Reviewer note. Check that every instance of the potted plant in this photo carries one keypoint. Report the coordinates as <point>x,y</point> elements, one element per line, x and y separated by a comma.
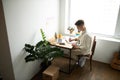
<point>71,29</point>
<point>42,51</point>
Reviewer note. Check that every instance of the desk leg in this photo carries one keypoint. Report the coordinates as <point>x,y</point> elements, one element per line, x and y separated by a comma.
<point>70,62</point>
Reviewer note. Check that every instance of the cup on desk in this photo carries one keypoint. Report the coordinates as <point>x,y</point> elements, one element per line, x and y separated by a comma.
<point>59,40</point>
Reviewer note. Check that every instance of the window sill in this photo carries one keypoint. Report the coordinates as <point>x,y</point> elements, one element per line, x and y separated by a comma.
<point>101,37</point>
<point>108,38</point>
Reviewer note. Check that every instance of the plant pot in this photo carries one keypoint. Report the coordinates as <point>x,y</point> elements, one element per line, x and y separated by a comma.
<point>45,65</point>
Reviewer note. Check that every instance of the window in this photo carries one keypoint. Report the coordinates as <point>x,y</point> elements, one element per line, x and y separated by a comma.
<point>100,16</point>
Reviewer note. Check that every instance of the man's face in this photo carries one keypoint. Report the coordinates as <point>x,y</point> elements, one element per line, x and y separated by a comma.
<point>79,28</point>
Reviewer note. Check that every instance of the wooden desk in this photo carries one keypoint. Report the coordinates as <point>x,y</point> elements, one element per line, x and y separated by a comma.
<point>66,46</point>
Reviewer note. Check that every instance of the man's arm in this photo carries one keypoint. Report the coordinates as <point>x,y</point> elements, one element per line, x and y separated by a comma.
<point>76,39</point>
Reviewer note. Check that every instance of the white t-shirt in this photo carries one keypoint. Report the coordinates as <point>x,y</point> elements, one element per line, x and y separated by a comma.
<point>84,44</point>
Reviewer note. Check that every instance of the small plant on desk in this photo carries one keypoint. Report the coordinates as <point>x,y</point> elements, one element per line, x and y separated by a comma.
<point>71,29</point>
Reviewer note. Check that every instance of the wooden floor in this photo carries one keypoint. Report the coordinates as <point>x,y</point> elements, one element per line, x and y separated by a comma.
<point>100,71</point>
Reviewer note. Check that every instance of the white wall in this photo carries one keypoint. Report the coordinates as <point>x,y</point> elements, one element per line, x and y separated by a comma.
<point>117,30</point>
<point>105,49</point>
<point>24,18</point>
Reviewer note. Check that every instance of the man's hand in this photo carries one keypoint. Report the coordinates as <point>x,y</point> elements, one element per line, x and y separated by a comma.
<point>75,46</point>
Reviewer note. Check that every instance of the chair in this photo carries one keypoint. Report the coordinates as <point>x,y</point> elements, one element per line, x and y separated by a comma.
<point>91,54</point>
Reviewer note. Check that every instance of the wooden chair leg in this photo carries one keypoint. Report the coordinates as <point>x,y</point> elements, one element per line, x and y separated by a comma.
<point>90,63</point>
<point>78,60</point>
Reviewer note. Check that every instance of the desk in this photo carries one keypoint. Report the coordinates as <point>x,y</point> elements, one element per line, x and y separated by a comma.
<point>66,46</point>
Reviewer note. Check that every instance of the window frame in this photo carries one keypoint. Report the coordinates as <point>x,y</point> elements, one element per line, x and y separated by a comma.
<point>67,22</point>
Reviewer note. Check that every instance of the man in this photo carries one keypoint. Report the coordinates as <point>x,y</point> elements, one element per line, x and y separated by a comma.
<point>83,44</point>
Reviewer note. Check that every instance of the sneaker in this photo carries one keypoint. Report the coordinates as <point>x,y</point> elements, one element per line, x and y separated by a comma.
<point>82,61</point>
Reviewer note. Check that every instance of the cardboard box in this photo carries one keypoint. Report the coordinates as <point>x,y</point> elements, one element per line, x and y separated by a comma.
<point>51,73</point>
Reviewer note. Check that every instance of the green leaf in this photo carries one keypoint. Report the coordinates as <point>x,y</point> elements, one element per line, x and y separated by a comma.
<point>30,58</point>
